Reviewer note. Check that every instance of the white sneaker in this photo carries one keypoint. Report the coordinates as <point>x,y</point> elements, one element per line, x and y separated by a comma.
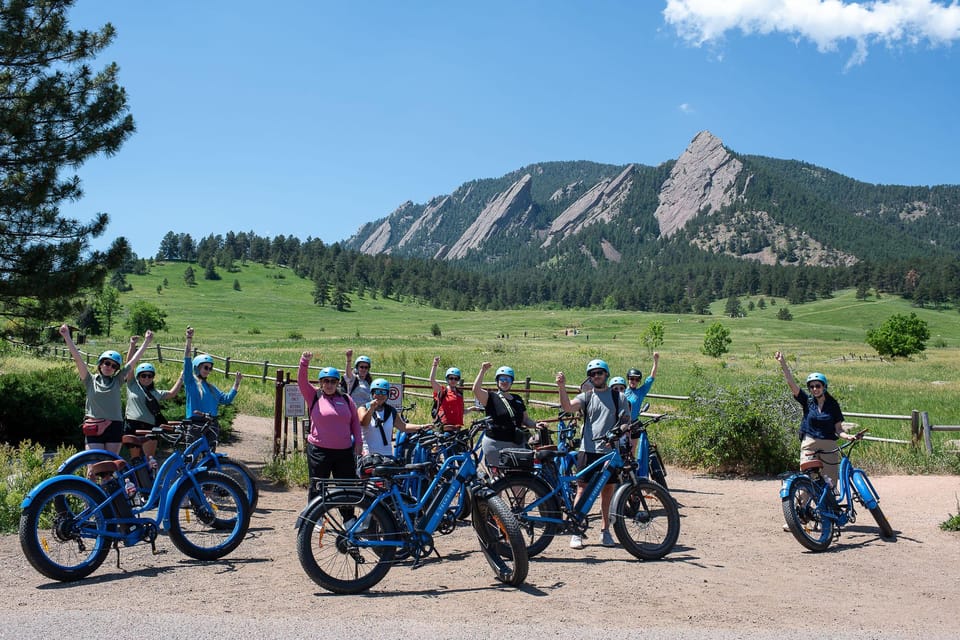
<point>786,527</point>
<point>576,542</point>
<point>607,539</point>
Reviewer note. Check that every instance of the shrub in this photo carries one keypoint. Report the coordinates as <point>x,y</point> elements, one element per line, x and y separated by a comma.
<point>43,406</point>
<point>716,341</point>
<point>748,430</point>
<point>435,330</point>
<point>24,468</point>
<point>900,335</point>
<point>953,522</point>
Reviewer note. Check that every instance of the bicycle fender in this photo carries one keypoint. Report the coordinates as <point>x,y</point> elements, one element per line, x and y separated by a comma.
<point>79,459</point>
<point>28,499</point>
<point>788,483</point>
<point>864,488</point>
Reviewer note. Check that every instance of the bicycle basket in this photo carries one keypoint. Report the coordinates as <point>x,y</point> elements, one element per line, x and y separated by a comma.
<point>517,459</point>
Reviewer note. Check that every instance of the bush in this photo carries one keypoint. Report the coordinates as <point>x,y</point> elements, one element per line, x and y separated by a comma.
<point>143,316</point>
<point>900,335</point>
<point>435,330</point>
<point>24,467</point>
<point>42,406</point>
<point>749,430</point>
<point>716,341</point>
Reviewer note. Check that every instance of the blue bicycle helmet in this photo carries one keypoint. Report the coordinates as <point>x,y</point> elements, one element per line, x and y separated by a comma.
<point>363,359</point>
<point>328,372</point>
<point>593,365</point>
<point>111,355</point>
<point>506,371</point>
<point>618,381</point>
<point>146,367</point>
<point>380,384</point>
<point>203,358</point>
<point>453,371</point>
<point>817,377</point>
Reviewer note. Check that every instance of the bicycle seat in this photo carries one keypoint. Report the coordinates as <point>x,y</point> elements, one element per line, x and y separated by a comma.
<point>811,464</point>
<point>544,454</point>
<point>107,467</point>
<point>135,440</point>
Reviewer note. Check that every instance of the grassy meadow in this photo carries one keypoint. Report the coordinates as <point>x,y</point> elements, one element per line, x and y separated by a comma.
<point>272,318</point>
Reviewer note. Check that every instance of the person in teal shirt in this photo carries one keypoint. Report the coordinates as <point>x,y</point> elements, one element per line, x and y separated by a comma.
<point>203,397</point>
<point>637,394</point>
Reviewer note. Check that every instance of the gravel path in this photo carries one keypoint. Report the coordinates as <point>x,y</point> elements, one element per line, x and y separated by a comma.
<point>733,574</point>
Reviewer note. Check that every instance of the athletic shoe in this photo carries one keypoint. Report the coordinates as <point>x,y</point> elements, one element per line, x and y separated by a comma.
<point>607,539</point>
<point>576,542</point>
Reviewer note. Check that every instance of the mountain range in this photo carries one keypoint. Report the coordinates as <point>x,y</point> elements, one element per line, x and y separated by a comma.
<point>711,201</point>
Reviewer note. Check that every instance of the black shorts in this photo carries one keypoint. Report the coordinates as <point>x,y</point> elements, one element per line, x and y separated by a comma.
<point>113,433</point>
<point>584,459</point>
<point>131,427</point>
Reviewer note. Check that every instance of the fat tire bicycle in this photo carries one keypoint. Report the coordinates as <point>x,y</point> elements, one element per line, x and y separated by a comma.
<point>69,523</point>
<point>181,435</point>
<point>814,514</point>
<point>644,515</point>
<point>346,553</point>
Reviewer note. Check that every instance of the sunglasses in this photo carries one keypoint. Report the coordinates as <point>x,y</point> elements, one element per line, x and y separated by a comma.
<point>598,372</point>
<point>330,380</point>
<point>145,375</point>
<point>455,378</point>
<point>380,392</point>
<point>504,379</point>
<point>637,378</point>
<point>814,385</point>
<point>205,367</point>
<point>109,363</point>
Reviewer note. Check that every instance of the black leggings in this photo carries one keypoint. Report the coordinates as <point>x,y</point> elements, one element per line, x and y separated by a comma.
<point>329,463</point>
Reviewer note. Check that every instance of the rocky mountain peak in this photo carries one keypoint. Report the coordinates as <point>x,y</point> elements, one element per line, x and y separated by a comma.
<point>702,179</point>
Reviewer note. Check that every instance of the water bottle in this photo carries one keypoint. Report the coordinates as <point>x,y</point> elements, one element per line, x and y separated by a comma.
<point>153,464</point>
<point>130,489</point>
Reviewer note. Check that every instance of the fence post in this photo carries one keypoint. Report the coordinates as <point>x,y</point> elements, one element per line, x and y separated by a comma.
<point>526,390</point>
<point>226,366</point>
<point>277,412</point>
<point>915,427</point>
<point>159,353</point>
<point>925,419</point>
<point>266,364</point>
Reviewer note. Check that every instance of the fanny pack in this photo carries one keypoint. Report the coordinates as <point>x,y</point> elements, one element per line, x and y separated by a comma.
<point>94,426</point>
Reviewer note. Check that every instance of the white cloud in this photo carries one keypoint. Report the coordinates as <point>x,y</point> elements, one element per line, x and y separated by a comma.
<point>685,108</point>
<point>824,22</point>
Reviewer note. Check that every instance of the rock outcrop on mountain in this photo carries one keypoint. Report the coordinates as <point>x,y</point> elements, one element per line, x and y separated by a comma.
<point>702,179</point>
<point>499,212</point>
<point>599,204</point>
<point>430,218</point>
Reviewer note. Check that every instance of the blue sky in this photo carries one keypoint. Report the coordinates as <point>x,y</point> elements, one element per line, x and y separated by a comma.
<point>310,118</point>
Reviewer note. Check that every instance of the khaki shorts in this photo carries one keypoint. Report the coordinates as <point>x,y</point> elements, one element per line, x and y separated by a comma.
<point>831,461</point>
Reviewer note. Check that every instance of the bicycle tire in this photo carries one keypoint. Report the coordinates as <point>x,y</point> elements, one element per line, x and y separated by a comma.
<point>89,457</point>
<point>803,517</point>
<point>51,539</point>
<point>657,473</point>
<point>500,539</point>
<point>243,475</point>
<point>521,490</point>
<point>209,522</point>
<point>646,519</point>
<point>331,565</point>
<point>886,531</point>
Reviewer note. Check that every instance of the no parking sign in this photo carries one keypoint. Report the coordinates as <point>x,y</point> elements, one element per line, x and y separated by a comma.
<point>395,397</point>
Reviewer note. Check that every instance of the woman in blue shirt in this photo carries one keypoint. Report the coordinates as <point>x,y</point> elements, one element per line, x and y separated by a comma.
<point>203,397</point>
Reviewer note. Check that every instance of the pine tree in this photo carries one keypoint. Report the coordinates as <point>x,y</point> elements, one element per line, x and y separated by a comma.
<point>56,113</point>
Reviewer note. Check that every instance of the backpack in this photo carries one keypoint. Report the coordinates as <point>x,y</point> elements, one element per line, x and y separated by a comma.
<point>388,411</point>
<point>342,385</point>
<point>437,400</point>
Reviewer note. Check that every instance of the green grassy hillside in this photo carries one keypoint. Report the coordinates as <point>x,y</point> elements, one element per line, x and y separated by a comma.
<point>272,318</point>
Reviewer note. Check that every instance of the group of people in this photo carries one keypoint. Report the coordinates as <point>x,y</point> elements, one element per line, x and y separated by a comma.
<point>107,418</point>
<point>350,417</point>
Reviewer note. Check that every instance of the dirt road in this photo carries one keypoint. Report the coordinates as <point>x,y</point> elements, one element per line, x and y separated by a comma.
<point>733,574</point>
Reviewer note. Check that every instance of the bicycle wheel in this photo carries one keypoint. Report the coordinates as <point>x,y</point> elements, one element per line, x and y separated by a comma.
<point>335,562</point>
<point>77,464</point>
<point>55,541</point>
<point>803,517</point>
<point>519,491</point>
<point>645,519</point>
<point>244,476</point>
<point>886,531</point>
<point>209,515</point>
<point>500,539</point>
<point>657,473</point>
